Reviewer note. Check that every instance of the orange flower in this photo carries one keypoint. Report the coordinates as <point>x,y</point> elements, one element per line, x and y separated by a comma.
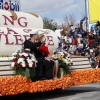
<point>13,85</point>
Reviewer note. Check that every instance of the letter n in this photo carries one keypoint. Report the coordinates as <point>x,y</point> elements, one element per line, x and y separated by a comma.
<point>8,19</point>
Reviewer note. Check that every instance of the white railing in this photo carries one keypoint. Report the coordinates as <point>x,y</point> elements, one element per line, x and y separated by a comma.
<point>80,63</point>
<point>5,66</point>
<point>6,70</point>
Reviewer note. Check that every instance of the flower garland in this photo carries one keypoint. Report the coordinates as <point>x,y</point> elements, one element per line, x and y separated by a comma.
<point>13,85</point>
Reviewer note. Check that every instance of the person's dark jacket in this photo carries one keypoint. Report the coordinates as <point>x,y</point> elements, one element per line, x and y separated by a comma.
<point>33,47</point>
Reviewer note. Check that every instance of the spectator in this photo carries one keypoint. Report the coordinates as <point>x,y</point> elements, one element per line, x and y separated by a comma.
<point>98,59</point>
<point>57,31</point>
<point>80,47</point>
<point>68,40</point>
<point>98,34</point>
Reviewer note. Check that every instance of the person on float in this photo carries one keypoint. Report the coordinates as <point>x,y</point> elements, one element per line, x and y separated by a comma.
<point>42,62</point>
<point>44,49</point>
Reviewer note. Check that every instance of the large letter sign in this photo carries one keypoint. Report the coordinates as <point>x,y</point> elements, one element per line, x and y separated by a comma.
<point>20,20</point>
<point>12,39</point>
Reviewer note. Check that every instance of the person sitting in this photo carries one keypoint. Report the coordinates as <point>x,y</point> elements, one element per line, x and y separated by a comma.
<point>80,48</point>
<point>44,49</point>
<point>42,62</point>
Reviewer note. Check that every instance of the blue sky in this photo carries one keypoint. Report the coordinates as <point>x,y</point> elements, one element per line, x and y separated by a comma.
<point>55,9</point>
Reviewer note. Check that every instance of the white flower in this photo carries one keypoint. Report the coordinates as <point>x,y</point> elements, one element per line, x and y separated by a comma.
<point>29,60</point>
<point>23,64</point>
<point>68,55</point>
<point>25,54</point>
<point>36,61</point>
<point>55,57</point>
<point>27,49</point>
<point>33,58</point>
<point>20,60</point>
<point>14,54</point>
<point>66,61</point>
<point>20,54</point>
<point>66,58</point>
<point>61,53</point>
<point>30,64</point>
<point>69,60</point>
<point>12,65</point>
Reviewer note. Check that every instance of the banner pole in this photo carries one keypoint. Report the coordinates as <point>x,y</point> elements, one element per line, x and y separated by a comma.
<point>86,14</point>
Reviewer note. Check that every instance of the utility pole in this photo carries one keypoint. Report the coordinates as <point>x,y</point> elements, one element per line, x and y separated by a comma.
<point>86,14</point>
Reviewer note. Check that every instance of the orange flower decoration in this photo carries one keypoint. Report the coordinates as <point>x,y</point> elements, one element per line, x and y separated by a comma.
<point>13,85</point>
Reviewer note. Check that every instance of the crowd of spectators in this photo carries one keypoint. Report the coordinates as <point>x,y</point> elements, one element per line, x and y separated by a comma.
<point>80,42</point>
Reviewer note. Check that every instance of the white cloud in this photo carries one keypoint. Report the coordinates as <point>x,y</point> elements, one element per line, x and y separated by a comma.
<point>54,9</point>
<point>44,5</point>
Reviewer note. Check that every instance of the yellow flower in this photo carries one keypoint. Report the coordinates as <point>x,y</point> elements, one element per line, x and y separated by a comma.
<point>53,56</point>
<point>61,57</point>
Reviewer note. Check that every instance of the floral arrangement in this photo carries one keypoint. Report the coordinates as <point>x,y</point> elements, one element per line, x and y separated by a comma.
<point>69,61</point>
<point>64,61</point>
<point>13,85</point>
<point>54,56</point>
<point>24,63</point>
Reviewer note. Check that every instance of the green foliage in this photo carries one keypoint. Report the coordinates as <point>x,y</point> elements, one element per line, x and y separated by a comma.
<point>62,64</point>
<point>49,23</point>
<point>26,72</point>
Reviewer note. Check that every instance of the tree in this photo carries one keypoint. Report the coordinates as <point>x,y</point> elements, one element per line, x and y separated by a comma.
<point>49,23</point>
<point>69,19</point>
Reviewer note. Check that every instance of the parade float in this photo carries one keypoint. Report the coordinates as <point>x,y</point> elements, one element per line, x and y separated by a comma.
<point>14,30</point>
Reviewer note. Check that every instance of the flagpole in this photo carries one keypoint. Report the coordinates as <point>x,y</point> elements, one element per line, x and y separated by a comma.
<point>86,13</point>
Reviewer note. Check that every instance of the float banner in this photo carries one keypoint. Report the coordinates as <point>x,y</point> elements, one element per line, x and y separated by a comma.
<point>12,39</point>
<point>13,5</point>
<point>94,10</point>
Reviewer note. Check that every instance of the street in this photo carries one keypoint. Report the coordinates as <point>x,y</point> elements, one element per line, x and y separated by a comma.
<point>84,92</point>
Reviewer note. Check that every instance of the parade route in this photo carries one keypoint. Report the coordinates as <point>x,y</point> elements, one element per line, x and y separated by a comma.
<point>84,92</point>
